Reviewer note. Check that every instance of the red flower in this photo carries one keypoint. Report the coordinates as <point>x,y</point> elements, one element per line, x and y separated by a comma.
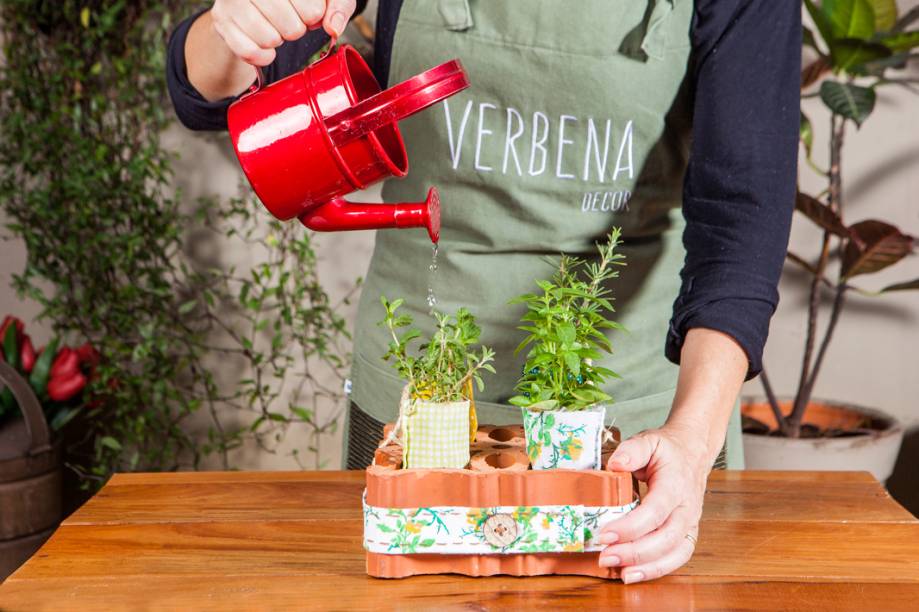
<point>63,388</point>
<point>27,355</point>
<point>66,363</point>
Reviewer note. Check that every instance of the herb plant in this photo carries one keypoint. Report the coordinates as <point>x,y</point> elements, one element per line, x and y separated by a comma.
<point>565,332</point>
<point>444,366</point>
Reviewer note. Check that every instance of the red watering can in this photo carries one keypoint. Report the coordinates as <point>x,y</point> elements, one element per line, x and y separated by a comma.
<point>317,135</point>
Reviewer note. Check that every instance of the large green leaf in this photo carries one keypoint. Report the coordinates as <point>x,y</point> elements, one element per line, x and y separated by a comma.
<point>821,214</point>
<point>879,245</point>
<point>901,41</point>
<point>850,101</point>
<point>849,18</point>
<point>850,54</point>
<point>885,14</point>
<point>821,21</point>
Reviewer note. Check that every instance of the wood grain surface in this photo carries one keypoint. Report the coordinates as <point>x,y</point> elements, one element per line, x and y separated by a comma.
<point>269,540</point>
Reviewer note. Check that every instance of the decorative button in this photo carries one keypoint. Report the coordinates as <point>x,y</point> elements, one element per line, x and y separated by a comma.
<point>500,530</point>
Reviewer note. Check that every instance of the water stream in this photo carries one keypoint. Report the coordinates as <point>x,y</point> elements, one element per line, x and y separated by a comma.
<point>432,274</point>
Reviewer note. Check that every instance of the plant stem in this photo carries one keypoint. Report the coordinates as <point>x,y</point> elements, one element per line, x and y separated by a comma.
<point>808,377</point>
<point>773,402</point>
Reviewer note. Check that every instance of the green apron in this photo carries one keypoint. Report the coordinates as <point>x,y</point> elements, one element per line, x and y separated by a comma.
<point>577,120</point>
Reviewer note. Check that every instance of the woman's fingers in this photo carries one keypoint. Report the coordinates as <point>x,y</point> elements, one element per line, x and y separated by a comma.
<point>633,454</point>
<point>654,510</point>
<point>670,562</point>
<point>243,46</point>
<point>283,17</point>
<point>311,12</point>
<point>254,25</point>
<point>337,15</point>
<point>653,546</point>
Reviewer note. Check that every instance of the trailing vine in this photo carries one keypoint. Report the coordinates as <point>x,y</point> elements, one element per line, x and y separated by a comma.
<point>86,184</point>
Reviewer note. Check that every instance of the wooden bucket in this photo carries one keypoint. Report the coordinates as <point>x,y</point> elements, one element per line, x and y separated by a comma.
<point>30,478</point>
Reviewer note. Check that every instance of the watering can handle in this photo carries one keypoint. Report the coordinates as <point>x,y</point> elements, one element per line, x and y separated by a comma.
<point>29,406</point>
<point>398,102</point>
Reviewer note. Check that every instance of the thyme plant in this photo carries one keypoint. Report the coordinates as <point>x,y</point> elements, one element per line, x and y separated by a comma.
<point>565,327</point>
<point>446,364</point>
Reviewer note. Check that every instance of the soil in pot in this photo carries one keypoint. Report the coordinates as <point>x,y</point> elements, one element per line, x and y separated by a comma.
<point>833,437</point>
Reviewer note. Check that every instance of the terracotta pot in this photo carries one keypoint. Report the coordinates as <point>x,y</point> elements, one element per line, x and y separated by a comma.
<point>874,451</point>
<point>568,439</point>
<point>497,475</point>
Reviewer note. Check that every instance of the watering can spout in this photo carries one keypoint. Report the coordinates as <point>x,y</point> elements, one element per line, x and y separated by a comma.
<point>339,214</point>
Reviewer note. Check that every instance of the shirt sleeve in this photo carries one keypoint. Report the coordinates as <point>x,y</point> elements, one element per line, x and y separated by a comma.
<point>192,109</point>
<point>739,189</point>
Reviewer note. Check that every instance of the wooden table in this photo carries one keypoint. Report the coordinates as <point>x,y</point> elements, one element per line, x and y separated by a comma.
<point>274,540</point>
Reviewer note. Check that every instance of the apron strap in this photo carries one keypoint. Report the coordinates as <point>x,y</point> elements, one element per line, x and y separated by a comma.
<point>456,14</point>
<point>649,38</point>
<point>655,40</point>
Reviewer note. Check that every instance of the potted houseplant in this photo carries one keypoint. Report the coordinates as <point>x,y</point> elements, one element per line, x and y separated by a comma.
<point>436,413</point>
<point>858,43</point>
<point>560,391</point>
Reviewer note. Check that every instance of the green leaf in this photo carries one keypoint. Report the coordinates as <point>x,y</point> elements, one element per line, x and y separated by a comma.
<point>851,54</point>
<point>850,101</point>
<point>38,379</point>
<point>110,442</point>
<point>84,17</point>
<point>566,333</point>
<point>11,346</point>
<point>849,18</point>
<point>901,41</point>
<point>885,14</point>
<point>187,307</point>
<point>573,362</point>
<point>822,22</point>
<point>385,528</point>
<point>806,134</point>
<point>427,542</point>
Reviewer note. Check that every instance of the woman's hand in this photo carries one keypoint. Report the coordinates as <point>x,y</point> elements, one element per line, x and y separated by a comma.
<point>652,541</point>
<point>659,536</point>
<point>252,29</point>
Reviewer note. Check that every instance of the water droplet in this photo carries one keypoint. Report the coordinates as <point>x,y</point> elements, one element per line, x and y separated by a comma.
<point>432,299</point>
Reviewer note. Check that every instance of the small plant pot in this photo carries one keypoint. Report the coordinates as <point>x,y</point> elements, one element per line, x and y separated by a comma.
<point>568,439</point>
<point>436,435</point>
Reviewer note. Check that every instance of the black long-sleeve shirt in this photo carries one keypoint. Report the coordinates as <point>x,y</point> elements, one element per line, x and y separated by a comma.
<point>739,189</point>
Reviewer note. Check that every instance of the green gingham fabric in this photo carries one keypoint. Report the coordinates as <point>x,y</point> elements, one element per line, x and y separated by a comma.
<point>436,435</point>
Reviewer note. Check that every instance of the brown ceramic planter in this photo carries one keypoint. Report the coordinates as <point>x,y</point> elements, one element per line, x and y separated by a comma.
<point>498,474</point>
<point>874,449</point>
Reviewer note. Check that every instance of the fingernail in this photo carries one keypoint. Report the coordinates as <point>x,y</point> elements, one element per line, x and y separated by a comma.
<point>610,561</point>
<point>630,577</point>
<point>622,459</point>
<point>338,22</point>
<point>608,537</point>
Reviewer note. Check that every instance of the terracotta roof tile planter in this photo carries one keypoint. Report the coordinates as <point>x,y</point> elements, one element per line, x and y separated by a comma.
<point>503,517</point>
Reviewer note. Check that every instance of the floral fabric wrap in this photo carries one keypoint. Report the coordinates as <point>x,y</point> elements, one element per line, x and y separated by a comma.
<point>564,438</point>
<point>494,530</point>
<point>436,435</point>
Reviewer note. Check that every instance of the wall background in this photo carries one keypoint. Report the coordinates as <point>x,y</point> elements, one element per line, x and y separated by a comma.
<point>874,360</point>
